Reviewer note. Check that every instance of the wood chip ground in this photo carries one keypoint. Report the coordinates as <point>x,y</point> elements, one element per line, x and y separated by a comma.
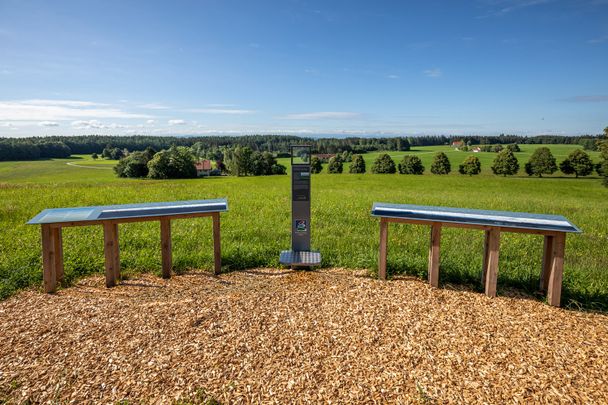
<point>281,336</point>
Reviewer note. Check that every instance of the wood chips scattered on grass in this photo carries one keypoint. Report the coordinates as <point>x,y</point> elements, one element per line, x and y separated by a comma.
<point>283,336</point>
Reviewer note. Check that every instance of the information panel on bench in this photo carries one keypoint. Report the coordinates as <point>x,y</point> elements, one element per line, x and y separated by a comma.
<point>143,210</point>
<point>504,219</point>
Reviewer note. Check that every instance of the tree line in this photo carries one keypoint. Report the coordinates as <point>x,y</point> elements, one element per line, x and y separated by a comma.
<point>505,164</point>
<point>30,148</point>
<point>37,147</point>
<point>16,149</point>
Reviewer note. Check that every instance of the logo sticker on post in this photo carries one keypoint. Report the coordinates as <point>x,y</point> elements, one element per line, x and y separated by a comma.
<point>300,225</point>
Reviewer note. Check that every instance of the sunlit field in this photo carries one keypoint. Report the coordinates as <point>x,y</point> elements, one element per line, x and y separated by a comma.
<point>256,228</point>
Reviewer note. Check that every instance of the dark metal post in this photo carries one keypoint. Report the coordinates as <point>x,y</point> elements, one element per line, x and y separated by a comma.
<point>300,253</point>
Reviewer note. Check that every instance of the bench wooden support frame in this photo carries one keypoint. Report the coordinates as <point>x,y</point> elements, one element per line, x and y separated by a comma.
<point>52,246</point>
<point>553,254</point>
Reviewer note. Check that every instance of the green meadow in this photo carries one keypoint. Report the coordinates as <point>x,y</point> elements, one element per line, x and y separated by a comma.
<point>257,226</point>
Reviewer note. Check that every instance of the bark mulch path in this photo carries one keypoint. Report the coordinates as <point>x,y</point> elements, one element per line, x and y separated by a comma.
<point>283,336</point>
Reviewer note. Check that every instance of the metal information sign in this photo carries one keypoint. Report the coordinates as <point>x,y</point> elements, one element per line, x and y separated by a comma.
<point>300,253</point>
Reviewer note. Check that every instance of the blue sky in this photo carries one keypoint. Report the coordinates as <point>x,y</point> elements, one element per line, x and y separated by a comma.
<point>303,67</point>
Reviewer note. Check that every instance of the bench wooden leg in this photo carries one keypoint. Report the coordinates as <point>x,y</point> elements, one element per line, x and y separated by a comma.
<point>382,253</point>
<point>217,248</point>
<point>547,262</point>
<point>112,253</point>
<point>58,246</point>
<point>492,262</point>
<point>48,259</point>
<point>165,246</point>
<point>434,254</point>
<point>554,287</point>
<point>486,253</point>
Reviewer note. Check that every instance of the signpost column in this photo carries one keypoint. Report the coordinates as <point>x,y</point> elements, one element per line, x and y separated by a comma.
<point>300,253</point>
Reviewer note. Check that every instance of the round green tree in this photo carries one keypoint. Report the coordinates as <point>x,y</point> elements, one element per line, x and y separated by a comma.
<point>384,165</point>
<point>603,166</point>
<point>335,165</point>
<point>578,163</point>
<point>441,164</point>
<point>411,164</point>
<point>357,165</point>
<point>175,163</point>
<point>315,165</point>
<point>541,162</point>
<point>470,166</point>
<point>134,165</point>
<point>505,163</point>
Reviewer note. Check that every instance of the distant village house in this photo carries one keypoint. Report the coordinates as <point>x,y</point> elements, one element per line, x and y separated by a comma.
<point>203,167</point>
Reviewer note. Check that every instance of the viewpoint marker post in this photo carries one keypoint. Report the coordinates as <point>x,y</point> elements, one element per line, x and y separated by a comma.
<point>300,254</point>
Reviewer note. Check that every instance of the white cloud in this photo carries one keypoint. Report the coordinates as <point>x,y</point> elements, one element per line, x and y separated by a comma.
<point>219,111</point>
<point>392,77</point>
<point>117,126</point>
<point>151,122</point>
<point>65,103</point>
<point>222,105</point>
<point>90,124</point>
<point>176,122</point>
<point>508,6</point>
<point>322,115</point>
<point>8,125</point>
<point>58,110</point>
<point>154,106</point>
<point>435,72</point>
<point>48,124</point>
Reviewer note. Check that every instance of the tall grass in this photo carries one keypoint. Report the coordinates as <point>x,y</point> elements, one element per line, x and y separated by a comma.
<point>257,226</point>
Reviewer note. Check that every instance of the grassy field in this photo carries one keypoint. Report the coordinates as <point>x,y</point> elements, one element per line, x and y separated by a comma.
<point>256,228</point>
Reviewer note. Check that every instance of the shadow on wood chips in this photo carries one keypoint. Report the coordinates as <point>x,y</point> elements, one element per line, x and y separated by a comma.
<point>272,336</point>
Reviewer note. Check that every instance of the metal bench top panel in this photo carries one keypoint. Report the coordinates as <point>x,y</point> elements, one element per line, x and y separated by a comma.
<point>143,210</point>
<point>506,219</point>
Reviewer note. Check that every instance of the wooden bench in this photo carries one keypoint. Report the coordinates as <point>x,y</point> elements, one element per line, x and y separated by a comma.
<point>552,227</point>
<point>53,220</point>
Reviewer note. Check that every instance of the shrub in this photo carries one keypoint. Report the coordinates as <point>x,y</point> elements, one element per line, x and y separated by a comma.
<point>335,165</point>
<point>441,164</point>
<point>513,147</point>
<point>346,156</point>
<point>411,164</point>
<point>112,153</point>
<point>315,165</point>
<point>278,169</point>
<point>470,166</point>
<point>263,164</point>
<point>541,162</point>
<point>357,165</point>
<point>505,163</point>
<point>135,165</point>
<point>175,163</point>
<point>578,163</point>
<point>383,165</point>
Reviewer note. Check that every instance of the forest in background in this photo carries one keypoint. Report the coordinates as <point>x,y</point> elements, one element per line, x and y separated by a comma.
<point>33,148</point>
